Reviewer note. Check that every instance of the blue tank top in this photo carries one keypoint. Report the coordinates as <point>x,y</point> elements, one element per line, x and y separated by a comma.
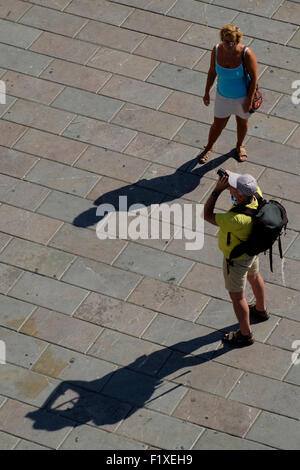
<point>231,82</point>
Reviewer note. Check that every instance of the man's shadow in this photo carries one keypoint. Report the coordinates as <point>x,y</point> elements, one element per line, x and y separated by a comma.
<point>153,191</point>
<point>119,394</point>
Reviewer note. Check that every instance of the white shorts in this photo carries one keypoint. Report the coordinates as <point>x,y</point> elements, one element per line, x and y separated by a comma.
<point>225,107</point>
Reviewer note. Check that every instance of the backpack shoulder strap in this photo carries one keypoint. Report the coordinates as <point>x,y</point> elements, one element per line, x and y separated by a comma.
<point>259,198</point>
<point>241,209</point>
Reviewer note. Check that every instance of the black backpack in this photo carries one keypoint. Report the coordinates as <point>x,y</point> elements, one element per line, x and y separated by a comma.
<point>269,220</point>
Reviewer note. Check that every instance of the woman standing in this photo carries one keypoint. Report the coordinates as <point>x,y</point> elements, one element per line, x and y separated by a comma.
<point>234,95</point>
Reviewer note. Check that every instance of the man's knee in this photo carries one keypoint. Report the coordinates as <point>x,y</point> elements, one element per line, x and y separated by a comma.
<point>252,278</point>
<point>236,296</point>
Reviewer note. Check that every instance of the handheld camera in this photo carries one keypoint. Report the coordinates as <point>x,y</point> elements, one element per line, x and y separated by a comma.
<point>221,172</point>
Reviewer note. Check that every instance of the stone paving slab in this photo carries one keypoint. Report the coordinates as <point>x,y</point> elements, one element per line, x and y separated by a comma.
<point>122,63</point>
<point>136,92</point>
<point>17,35</point>
<point>8,277</point>
<point>202,13</point>
<point>31,88</point>
<point>84,243</point>
<point>169,51</point>
<point>40,290</point>
<point>27,224</point>
<point>74,75</point>
<point>14,163</point>
<point>276,55</point>
<point>21,424</point>
<point>21,350</point>
<point>54,45</point>
<point>206,376</point>
<point>87,104</point>
<point>266,29</point>
<point>288,12</point>
<point>13,312</point>
<point>215,440</point>
<point>269,361</point>
<point>293,250</point>
<point>179,78</point>
<point>100,133</point>
<point>215,412</point>
<point>103,34</point>
<point>39,116</point>
<point>7,442</point>
<point>260,7</point>
<point>108,163</point>
<point>99,10</point>
<point>51,20</point>
<point>87,438</point>
<point>293,375</point>
<point>278,79</point>
<point>25,386</point>
<point>101,278</point>
<point>115,314</point>
<point>144,261</point>
<point>85,372</point>
<point>19,60</point>
<point>33,257</point>
<point>276,430</point>
<point>166,432</point>
<point>61,329</point>
<point>169,299</point>
<point>267,394</point>
<point>58,5</point>
<point>295,41</point>
<point>127,350</point>
<point>22,194</point>
<point>116,344</point>
<point>158,6</point>
<point>57,176</point>
<point>14,10</point>
<point>46,145</point>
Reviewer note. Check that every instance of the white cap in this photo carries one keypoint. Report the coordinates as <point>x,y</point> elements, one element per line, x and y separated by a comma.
<point>246,184</point>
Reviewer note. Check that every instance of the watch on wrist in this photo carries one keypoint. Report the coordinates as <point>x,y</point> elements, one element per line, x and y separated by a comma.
<point>215,194</point>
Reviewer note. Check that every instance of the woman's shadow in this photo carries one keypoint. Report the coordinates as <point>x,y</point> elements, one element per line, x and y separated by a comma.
<point>116,396</point>
<point>153,191</point>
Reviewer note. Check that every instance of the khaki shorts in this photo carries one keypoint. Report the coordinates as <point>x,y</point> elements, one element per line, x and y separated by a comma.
<point>235,280</point>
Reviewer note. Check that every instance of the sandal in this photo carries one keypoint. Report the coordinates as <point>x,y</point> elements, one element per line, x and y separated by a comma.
<point>241,154</point>
<point>235,338</point>
<point>203,157</point>
<point>259,315</point>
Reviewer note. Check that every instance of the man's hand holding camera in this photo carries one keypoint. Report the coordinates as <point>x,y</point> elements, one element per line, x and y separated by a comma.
<point>222,182</point>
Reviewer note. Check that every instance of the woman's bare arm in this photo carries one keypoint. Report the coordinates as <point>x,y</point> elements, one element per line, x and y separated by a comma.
<point>251,66</point>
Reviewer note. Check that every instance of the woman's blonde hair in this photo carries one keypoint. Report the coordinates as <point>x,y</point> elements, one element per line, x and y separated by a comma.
<point>231,30</point>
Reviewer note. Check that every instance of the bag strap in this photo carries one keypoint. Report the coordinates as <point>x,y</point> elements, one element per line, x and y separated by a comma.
<point>271,257</point>
<point>243,62</point>
<point>241,209</point>
<point>280,246</point>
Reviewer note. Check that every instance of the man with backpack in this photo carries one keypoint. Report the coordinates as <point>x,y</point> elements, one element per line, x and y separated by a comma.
<point>235,229</point>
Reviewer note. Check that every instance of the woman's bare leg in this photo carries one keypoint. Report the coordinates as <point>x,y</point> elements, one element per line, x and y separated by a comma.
<point>214,133</point>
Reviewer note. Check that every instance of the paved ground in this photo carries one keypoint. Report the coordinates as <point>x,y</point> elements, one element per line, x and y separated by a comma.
<point>115,344</point>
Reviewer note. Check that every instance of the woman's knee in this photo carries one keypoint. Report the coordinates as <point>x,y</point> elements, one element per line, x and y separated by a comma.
<point>241,122</point>
<point>220,123</point>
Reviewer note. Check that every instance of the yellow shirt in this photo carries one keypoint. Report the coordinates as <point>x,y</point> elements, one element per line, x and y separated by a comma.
<point>239,226</point>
